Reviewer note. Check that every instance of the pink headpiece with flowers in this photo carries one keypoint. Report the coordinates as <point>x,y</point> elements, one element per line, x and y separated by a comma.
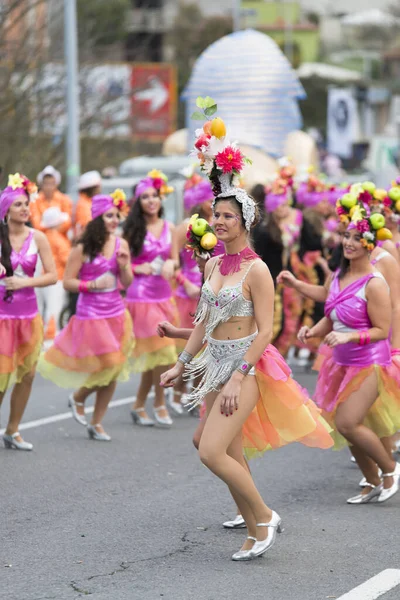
<point>18,185</point>
<point>280,190</point>
<point>102,203</point>
<point>155,179</point>
<point>196,191</point>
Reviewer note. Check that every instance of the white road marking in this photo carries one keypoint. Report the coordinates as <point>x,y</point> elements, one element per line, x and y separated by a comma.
<point>68,415</point>
<point>375,587</point>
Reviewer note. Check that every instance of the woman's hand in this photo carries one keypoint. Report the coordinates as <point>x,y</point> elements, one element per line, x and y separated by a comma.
<point>144,269</point>
<point>337,339</point>
<point>229,396</point>
<point>170,377</point>
<point>105,282</point>
<point>15,283</point>
<point>122,258</point>
<point>287,279</point>
<point>2,270</point>
<point>168,269</point>
<point>191,289</point>
<point>304,334</point>
<point>166,329</point>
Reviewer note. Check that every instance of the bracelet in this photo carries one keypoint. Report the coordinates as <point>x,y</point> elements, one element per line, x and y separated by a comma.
<point>185,357</point>
<point>83,287</point>
<point>365,338</point>
<point>180,279</point>
<point>395,351</point>
<point>244,368</point>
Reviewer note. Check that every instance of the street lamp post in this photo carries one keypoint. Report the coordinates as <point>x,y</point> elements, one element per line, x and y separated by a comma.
<point>236,14</point>
<point>72,96</point>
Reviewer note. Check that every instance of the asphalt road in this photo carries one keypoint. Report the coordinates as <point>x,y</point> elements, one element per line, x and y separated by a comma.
<point>140,518</point>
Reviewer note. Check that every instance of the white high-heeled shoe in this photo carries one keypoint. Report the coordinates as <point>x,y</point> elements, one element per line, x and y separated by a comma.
<point>175,406</point>
<point>363,483</point>
<point>389,492</point>
<point>81,419</point>
<point>274,527</point>
<point>244,554</point>
<point>97,435</point>
<point>10,441</point>
<point>138,420</point>
<point>237,523</point>
<point>372,496</point>
<point>164,421</point>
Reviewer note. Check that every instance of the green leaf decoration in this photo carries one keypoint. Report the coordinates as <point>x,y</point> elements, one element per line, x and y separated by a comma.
<point>209,102</point>
<point>210,110</point>
<point>248,161</point>
<point>200,102</point>
<point>198,116</point>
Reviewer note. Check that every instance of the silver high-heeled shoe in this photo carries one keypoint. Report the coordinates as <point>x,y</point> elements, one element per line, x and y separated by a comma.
<point>163,421</point>
<point>96,435</point>
<point>244,554</point>
<point>11,442</point>
<point>372,496</point>
<point>389,492</point>
<point>73,404</point>
<point>175,406</point>
<point>237,523</point>
<point>138,420</point>
<point>274,527</point>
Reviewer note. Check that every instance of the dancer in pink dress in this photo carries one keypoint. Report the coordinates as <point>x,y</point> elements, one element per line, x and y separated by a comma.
<point>91,353</point>
<point>21,327</point>
<point>358,386</point>
<point>152,242</point>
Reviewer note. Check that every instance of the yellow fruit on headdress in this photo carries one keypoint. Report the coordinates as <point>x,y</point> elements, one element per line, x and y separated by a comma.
<point>353,210</point>
<point>218,128</point>
<point>208,241</point>
<point>383,234</point>
<point>379,194</point>
<point>398,205</point>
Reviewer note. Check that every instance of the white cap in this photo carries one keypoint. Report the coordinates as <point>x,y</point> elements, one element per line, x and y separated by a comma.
<point>89,180</point>
<point>53,217</point>
<point>49,170</point>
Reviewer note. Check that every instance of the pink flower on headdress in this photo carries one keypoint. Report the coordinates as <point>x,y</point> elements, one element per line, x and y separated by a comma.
<point>157,183</point>
<point>363,226</point>
<point>387,201</point>
<point>365,197</point>
<point>340,210</point>
<point>230,159</point>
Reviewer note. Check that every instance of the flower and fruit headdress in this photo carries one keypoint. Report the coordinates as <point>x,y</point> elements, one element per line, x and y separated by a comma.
<point>312,189</point>
<point>102,203</point>
<point>196,191</point>
<point>279,191</point>
<point>201,237</point>
<point>394,196</point>
<point>17,185</point>
<point>155,179</point>
<point>221,159</point>
<point>353,210</point>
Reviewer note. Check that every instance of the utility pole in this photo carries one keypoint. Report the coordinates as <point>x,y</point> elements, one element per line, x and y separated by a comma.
<point>72,96</point>
<point>236,14</point>
<point>288,33</point>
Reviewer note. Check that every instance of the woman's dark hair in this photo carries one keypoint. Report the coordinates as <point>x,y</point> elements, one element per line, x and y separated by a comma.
<point>5,259</point>
<point>94,238</point>
<point>135,229</point>
<point>199,210</point>
<point>258,193</point>
<point>344,266</point>
<point>92,191</point>
<point>238,205</point>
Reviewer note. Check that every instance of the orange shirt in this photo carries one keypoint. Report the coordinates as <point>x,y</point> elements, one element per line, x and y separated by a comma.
<point>83,213</point>
<point>59,200</point>
<point>60,247</point>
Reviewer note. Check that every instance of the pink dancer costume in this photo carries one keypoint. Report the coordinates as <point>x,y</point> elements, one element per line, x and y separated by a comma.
<point>350,364</point>
<point>149,301</point>
<point>21,327</point>
<point>94,348</point>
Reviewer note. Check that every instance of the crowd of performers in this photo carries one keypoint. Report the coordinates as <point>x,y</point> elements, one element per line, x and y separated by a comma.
<point>211,308</point>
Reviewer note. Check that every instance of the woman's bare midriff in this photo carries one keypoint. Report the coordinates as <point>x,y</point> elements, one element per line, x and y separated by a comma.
<point>235,328</point>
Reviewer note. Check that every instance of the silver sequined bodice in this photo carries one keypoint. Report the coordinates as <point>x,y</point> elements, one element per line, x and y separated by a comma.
<point>214,309</point>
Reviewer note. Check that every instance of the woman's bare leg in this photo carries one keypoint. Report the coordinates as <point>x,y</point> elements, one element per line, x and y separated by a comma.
<point>80,396</point>
<point>159,401</point>
<point>103,397</point>
<point>19,400</point>
<point>146,382</point>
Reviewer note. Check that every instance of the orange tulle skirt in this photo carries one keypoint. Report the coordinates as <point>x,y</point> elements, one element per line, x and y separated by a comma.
<point>284,412</point>
<point>90,353</point>
<point>151,351</point>
<point>20,344</point>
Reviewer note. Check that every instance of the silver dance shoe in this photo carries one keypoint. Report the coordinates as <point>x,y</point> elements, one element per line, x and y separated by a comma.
<point>11,442</point>
<point>96,435</point>
<point>389,492</point>
<point>163,421</point>
<point>274,527</point>
<point>175,406</point>
<point>237,523</point>
<point>138,420</point>
<point>244,554</point>
<point>372,496</point>
<point>72,404</point>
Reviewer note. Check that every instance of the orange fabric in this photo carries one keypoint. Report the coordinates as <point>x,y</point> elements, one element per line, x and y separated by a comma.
<point>60,248</point>
<point>59,200</point>
<point>83,213</point>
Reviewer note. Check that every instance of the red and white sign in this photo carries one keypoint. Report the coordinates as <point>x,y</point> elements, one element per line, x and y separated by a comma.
<point>153,100</point>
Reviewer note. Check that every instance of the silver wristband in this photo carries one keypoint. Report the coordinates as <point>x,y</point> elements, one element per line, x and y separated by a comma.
<point>244,368</point>
<point>185,357</point>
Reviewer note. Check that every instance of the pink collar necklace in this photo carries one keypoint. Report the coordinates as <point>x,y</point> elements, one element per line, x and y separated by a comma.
<point>230,263</point>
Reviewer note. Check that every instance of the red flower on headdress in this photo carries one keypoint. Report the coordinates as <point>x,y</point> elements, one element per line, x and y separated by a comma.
<point>230,159</point>
<point>387,201</point>
<point>365,197</point>
<point>158,183</point>
<point>362,226</point>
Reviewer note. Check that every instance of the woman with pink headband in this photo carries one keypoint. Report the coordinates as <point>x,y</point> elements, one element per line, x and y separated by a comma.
<point>21,327</point>
<point>91,353</point>
<point>358,386</point>
<point>152,242</point>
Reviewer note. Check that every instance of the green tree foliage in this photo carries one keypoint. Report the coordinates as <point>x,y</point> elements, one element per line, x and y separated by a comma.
<point>103,22</point>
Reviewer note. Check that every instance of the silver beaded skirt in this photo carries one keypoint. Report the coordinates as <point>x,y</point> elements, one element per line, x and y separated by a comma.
<point>215,366</point>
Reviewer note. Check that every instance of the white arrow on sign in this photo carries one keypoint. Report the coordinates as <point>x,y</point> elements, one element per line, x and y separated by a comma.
<point>157,94</point>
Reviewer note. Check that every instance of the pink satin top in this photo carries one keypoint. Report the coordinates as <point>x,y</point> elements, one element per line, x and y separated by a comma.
<point>22,304</point>
<point>102,304</point>
<point>152,288</point>
<point>348,310</point>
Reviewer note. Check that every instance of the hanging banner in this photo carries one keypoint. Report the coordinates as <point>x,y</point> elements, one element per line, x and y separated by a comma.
<point>342,122</point>
<point>153,100</point>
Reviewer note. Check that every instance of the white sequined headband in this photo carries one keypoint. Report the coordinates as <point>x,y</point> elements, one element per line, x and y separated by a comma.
<point>248,204</point>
